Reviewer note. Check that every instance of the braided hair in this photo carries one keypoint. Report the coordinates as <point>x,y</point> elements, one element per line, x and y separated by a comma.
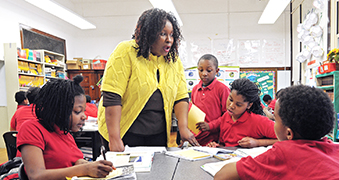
<point>150,24</point>
<point>250,92</point>
<point>55,101</point>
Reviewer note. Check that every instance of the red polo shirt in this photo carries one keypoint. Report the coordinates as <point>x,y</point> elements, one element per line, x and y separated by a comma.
<point>248,125</point>
<point>212,101</point>
<point>21,115</point>
<point>59,149</point>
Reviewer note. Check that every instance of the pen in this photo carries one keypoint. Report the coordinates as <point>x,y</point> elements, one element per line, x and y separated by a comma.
<point>103,152</point>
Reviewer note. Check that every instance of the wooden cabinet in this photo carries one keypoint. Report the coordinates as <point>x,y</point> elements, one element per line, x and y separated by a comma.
<point>91,78</point>
<point>329,82</point>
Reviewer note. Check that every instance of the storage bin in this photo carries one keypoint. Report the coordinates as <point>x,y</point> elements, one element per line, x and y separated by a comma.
<point>98,64</point>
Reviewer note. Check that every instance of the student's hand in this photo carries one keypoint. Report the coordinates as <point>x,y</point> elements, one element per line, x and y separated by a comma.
<point>248,142</point>
<point>187,135</point>
<point>99,168</point>
<point>116,145</point>
<point>213,144</point>
<point>203,126</point>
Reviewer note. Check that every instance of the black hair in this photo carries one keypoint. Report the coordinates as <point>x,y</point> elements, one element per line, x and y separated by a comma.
<point>306,110</point>
<point>266,98</point>
<point>250,92</point>
<point>211,58</point>
<point>31,93</point>
<point>55,101</point>
<point>150,24</point>
<point>88,98</point>
<point>20,96</point>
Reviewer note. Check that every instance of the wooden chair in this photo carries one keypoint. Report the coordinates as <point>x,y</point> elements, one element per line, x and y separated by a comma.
<point>10,141</point>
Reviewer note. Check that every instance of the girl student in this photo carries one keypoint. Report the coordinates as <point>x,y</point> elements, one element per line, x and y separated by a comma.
<point>47,147</point>
<point>243,124</point>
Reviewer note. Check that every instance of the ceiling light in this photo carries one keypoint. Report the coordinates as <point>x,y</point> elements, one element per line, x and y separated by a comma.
<point>62,13</point>
<point>272,11</point>
<point>167,5</point>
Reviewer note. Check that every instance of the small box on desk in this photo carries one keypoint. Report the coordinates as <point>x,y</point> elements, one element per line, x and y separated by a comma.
<point>73,64</point>
<point>86,64</point>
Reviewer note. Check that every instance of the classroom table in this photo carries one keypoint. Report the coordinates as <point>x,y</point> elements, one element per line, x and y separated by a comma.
<point>166,167</point>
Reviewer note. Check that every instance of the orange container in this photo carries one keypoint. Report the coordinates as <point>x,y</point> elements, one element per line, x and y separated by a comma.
<point>329,67</point>
<point>98,64</point>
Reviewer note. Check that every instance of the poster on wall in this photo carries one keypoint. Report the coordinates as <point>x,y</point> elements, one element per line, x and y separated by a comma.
<point>265,80</point>
<point>273,51</point>
<point>224,50</point>
<point>226,75</point>
<point>249,52</point>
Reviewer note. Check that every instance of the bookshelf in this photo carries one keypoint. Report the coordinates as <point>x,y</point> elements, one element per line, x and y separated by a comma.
<point>329,82</point>
<point>32,73</point>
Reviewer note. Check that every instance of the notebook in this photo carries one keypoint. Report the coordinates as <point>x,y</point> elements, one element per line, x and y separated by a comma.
<point>189,154</point>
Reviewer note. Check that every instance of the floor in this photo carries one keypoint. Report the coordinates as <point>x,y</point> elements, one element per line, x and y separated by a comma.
<point>3,152</point>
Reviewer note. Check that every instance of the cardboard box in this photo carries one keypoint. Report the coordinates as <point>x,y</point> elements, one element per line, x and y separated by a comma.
<point>86,66</point>
<point>73,64</point>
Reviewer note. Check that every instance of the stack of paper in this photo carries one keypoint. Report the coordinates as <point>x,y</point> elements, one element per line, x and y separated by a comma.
<point>213,168</point>
<point>189,154</point>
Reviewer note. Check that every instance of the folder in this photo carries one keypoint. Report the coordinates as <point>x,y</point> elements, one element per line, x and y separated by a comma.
<point>195,115</point>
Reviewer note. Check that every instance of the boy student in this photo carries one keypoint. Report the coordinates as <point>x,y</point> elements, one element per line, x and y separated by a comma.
<point>210,96</point>
<point>243,125</point>
<point>303,116</point>
<point>21,99</point>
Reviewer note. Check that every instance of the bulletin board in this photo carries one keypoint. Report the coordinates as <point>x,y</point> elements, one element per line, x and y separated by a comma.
<point>265,78</point>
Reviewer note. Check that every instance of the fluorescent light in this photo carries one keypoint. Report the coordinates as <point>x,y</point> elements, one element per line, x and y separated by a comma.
<point>272,11</point>
<point>62,13</point>
<point>166,5</point>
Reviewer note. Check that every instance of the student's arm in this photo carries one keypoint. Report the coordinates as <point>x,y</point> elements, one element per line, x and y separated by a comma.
<point>113,116</point>
<point>251,142</point>
<point>229,171</point>
<point>268,114</point>
<point>181,112</point>
<point>35,166</point>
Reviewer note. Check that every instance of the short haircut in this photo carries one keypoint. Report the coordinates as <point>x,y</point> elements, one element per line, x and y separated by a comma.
<point>88,98</point>
<point>20,97</point>
<point>211,58</point>
<point>55,101</point>
<point>250,91</point>
<point>308,111</point>
<point>31,93</point>
<point>266,98</point>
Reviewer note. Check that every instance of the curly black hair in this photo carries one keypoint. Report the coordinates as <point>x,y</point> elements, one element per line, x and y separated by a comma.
<point>55,101</point>
<point>306,110</point>
<point>20,96</point>
<point>250,92</point>
<point>150,24</point>
<point>211,58</point>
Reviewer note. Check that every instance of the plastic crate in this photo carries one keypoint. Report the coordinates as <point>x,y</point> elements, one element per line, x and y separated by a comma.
<point>98,64</point>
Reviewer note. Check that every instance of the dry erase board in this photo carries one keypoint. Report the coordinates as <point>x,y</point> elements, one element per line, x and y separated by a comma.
<point>35,39</point>
<point>265,79</point>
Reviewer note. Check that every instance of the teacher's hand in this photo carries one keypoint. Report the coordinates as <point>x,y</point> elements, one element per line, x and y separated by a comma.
<point>116,145</point>
<point>187,135</point>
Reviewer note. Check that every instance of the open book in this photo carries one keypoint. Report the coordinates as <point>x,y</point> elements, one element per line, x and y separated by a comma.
<point>122,172</point>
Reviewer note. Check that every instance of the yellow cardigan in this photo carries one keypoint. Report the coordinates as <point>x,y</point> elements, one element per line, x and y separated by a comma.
<point>135,80</point>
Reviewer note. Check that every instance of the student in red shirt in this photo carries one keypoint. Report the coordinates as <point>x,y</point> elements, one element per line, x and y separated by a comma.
<point>20,98</point>
<point>210,96</point>
<point>48,149</point>
<point>243,124</point>
<point>91,109</point>
<point>26,112</point>
<point>303,116</point>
